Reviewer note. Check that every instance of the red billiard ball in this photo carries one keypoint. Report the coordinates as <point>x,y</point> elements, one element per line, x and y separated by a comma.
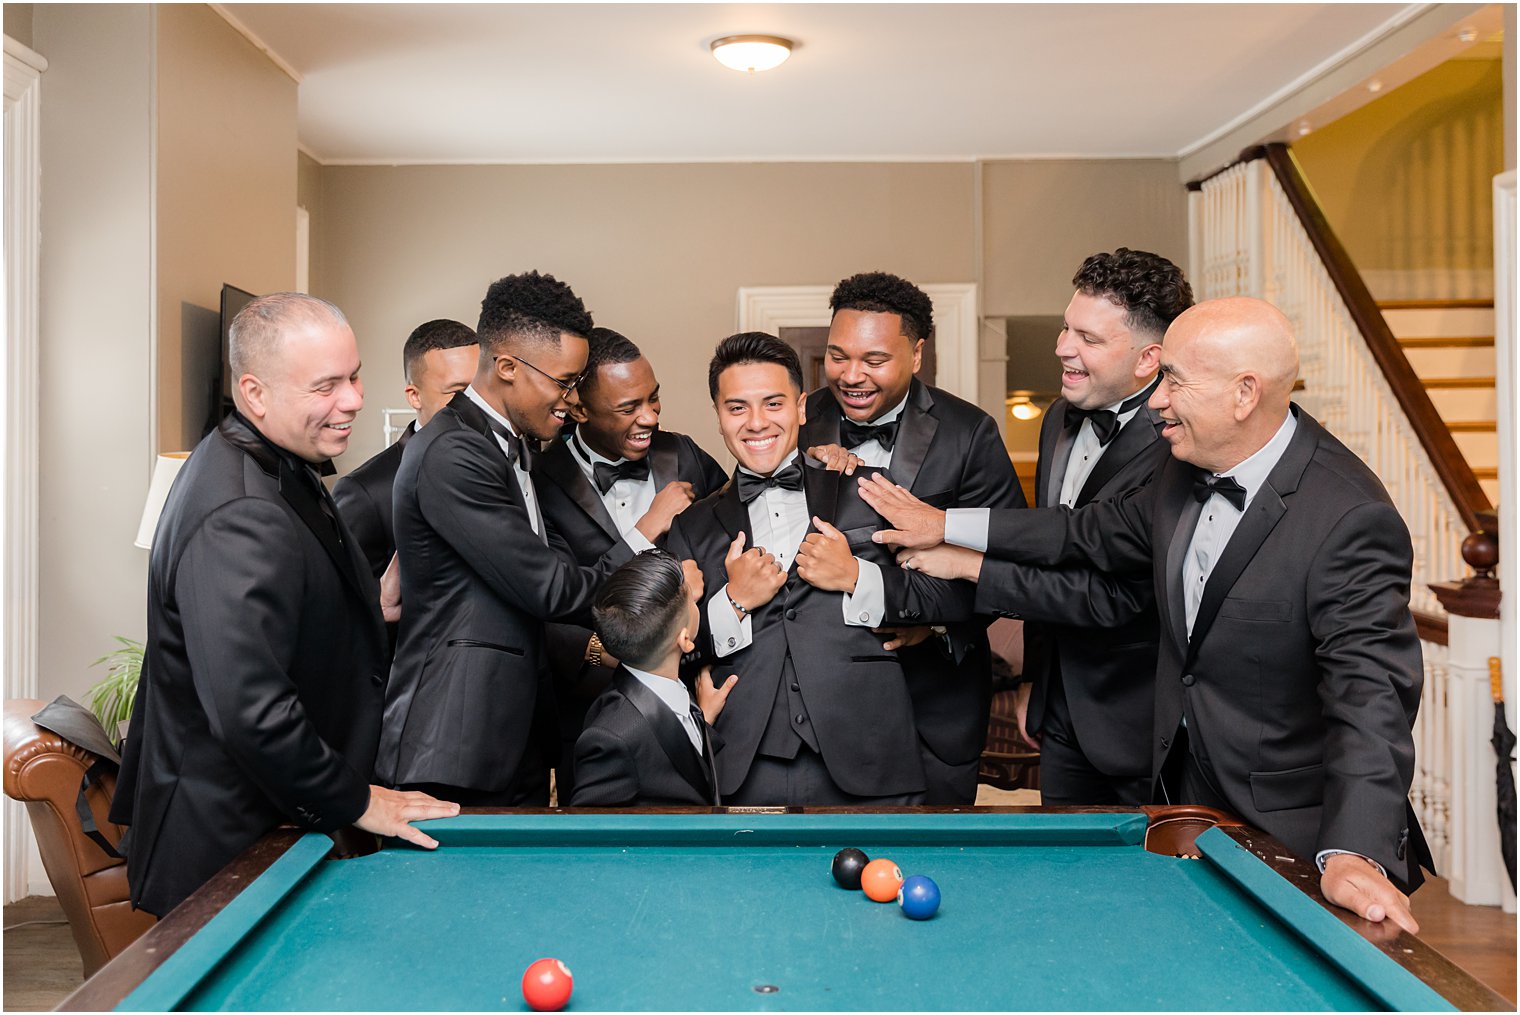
<point>880,880</point>
<point>546,985</point>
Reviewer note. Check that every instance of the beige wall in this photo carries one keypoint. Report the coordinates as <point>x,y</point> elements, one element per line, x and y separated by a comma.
<point>1407,182</point>
<point>309,196</point>
<point>96,340</point>
<point>226,199</point>
<point>657,251</point>
<point>18,23</point>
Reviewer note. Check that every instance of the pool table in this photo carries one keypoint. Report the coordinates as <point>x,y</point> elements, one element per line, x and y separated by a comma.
<point>1145,909</point>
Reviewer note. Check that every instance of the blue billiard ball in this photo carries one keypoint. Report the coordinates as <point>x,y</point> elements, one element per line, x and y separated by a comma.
<point>918,897</point>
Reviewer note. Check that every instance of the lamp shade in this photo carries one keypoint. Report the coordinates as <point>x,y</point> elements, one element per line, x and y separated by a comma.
<point>751,53</point>
<point>165,468</point>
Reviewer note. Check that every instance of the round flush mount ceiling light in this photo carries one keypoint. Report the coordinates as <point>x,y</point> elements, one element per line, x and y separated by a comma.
<point>751,53</point>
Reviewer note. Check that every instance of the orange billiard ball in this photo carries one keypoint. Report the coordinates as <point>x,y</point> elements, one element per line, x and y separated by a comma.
<point>880,880</point>
<point>546,985</point>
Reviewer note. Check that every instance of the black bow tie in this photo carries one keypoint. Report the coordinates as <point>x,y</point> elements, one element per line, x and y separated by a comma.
<point>854,434</point>
<point>605,475</point>
<point>518,452</point>
<point>1105,422</point>
<point>1205,486</point>
<point>752,486</point>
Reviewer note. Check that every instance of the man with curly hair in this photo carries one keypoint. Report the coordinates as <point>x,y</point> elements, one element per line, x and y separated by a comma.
<point>1087,700</point>
<point>478,577</point>
<point>947,451</point>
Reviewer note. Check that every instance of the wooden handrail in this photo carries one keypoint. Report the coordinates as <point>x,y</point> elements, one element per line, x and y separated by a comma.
<point>1450,464</point>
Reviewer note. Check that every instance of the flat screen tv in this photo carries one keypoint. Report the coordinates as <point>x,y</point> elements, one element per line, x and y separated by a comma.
<point>233,300</point>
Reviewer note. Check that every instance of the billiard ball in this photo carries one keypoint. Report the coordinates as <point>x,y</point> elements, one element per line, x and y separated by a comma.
<point>880,880</point>
<point>546,985</point>
<point>848,863</point>
<point>918,897</point>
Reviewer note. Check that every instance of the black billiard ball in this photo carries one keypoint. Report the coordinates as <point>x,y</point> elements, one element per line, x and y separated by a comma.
<point>848,863</point>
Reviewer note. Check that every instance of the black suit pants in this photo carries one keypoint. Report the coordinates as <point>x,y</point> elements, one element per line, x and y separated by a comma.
<point>1067,778</point>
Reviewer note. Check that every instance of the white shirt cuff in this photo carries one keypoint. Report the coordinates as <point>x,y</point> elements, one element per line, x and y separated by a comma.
<point>968,527</point>
<point>867,605</point>
<point>729,633</point>
<point>1325,854</point>
<point>637,543</point>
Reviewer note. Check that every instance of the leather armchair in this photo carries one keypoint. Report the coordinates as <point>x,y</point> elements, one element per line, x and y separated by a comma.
<point>44,771</point>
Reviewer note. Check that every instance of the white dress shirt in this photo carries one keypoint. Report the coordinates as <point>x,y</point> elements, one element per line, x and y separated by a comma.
<point>530,496</point>
<point>1086,450</point>
<point>1219,519</point>
<point>674,695</point>
<point>871,453</point>
<point>627,500</point>
<point>778,521</point>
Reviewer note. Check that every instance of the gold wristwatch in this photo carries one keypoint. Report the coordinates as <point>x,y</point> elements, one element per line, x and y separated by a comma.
<point>594,650</point>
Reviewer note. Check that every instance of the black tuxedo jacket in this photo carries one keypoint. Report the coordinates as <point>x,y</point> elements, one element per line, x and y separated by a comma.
<point>580,525</point>
<point>364,500</point>
<point>949,454</point>
<point>856,695</point>
<point>1104,652</point>
<point>634,753</point>
<point>264,670</point>
<point>477,585</point>
<point>1303,672</point>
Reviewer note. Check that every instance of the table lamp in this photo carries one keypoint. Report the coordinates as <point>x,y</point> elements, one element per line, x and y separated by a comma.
<point>165,468</point>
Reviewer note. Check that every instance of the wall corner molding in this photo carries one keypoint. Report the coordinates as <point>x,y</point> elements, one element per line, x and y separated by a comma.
<point>956,326</point>
<point>258,43</point>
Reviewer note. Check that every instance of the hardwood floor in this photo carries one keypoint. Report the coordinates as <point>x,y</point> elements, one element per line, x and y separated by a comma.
<point>42,966</point>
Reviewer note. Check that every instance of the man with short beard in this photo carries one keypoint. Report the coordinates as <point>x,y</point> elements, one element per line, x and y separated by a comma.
<point>478,577</point>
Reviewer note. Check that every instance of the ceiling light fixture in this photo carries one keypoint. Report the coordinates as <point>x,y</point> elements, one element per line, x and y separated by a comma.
<point>751,53</point>
<point>1375,85</point>
<point>1022,407</point>
<point>1468,35</point>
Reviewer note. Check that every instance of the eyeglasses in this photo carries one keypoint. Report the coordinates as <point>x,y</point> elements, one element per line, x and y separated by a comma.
<point>566,387</point>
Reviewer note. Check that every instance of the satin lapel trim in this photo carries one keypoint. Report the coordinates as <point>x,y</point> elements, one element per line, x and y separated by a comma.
<point>822,426</point>
<point>732,513</point>
<point>667,728</point>
<point>914,435</point>
<point>1051,432</point>
<point>1175,603</point>
<point>1138,434</point>
<point>297,492</point>
<point>560,467</point>
<point>822,489</point>
<point>1261,517</point>
<point>664,460</point>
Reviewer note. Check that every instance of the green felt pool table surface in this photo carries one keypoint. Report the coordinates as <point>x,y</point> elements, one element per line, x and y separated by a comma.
<point>704,911</point>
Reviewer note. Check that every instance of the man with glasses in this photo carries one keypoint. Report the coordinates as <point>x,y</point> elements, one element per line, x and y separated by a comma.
<point>478,577</point>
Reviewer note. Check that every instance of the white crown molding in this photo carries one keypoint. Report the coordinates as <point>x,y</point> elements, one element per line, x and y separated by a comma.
<point>771,308</point>
<point>835,160</point>
<point>23,108</point>
<point>258,43</point>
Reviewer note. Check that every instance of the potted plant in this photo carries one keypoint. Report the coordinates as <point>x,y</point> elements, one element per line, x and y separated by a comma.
<point>111,699</point>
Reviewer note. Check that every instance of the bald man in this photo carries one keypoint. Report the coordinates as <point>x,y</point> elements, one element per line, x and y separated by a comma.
<point>1289,669</point>
<point>264,675</point>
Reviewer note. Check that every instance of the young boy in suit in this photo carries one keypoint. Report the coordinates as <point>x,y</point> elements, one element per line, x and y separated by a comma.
<point>645,742</point>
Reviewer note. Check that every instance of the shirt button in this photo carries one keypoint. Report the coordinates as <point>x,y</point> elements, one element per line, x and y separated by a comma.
<point>865,617</point>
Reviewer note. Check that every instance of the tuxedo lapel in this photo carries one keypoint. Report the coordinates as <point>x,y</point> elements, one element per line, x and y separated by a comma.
<point>473,417</point>
<point>1178,519</point>
<point>1055,451</point>
<point>1262,515</point>
<point>822,426</point>
<point>1138,434</point>
<point>667,729</point>
<point>915,433</point>
<point>822,489</point>
<point>559,467</point>
<point>732,514</point>
<point>664,460</point>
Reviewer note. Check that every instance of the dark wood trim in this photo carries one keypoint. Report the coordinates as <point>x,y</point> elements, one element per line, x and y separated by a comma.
<point>1466,342</point>
<point>1474,304</point>
<point>1472,597</point>
<point>1448,460</point>
<point>1430,627</point>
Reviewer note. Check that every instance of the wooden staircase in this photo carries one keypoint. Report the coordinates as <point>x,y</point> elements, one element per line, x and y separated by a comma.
<point>1450,345</point>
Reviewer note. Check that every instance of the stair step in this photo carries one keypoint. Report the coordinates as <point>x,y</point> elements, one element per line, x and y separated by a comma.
<point>1457,382</point>
<point>1432,304</point>
<point>1490,489</point>
<point>1463,361</point>
<point>1457,322</point>
<point>1464,404</point>
<point>1487,473</point>
<point>1480,449</point>
<point>1473,426</point>
<point>1454,342</point>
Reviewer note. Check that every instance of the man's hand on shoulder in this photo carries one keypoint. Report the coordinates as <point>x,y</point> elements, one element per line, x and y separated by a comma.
<point>944,561</point>
<point>915,525</point>
<point>673,498</point>
<point>1352,882</point>
<point>836,458</point>
<point>391,811</point>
